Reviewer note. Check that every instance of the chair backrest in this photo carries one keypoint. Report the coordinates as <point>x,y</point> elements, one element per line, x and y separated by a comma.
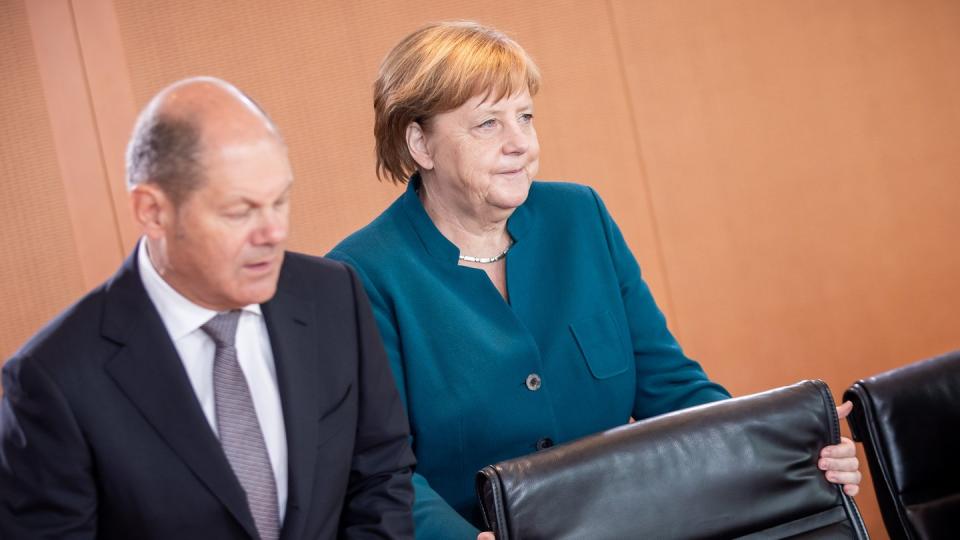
<point>908,420</point>
<point>739,468</point>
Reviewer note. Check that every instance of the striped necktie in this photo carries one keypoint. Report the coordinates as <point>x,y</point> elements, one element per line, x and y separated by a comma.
<point>239,429</point>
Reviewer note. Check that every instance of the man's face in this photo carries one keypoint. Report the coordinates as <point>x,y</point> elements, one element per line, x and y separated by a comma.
<point>225,244</point>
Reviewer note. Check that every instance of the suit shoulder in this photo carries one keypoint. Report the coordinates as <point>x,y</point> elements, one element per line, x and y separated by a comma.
<point>300,266</point>
<point>302,262</point>
<point>74,330</point>
<point>304,274</point>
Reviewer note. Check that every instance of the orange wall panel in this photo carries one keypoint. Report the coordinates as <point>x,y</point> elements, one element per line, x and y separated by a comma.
<point>76,138</point>
<point>785,171</point>
<point>40,268</point>
<point>803,161</point>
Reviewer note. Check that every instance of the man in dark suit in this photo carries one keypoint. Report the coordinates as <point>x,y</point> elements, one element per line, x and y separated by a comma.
<point>217,386</point>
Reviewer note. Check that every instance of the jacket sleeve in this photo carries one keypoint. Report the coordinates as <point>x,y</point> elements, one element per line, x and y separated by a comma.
<point>666,379</point>
<point>47,489</point>
<point>380,495</point>
<point>434,518</point>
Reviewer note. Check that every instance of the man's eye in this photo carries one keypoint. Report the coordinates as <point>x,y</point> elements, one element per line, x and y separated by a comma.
<point>238,214</point>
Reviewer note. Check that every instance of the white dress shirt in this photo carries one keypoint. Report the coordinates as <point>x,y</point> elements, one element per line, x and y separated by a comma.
<point>183,320</point>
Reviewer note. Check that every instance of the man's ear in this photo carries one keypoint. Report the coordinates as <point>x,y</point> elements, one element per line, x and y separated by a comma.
<point>417,146</point>
<point>152,209</point>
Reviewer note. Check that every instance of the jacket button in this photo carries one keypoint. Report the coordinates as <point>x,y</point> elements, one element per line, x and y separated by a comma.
<point>544,443</point>
<point>533,382</point>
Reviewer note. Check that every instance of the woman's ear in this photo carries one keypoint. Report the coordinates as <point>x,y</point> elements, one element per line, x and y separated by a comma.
<point>151,209</point>
<point>417,146</point>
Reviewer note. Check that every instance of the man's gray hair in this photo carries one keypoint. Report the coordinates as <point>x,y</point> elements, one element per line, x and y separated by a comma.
<point>166,151</point>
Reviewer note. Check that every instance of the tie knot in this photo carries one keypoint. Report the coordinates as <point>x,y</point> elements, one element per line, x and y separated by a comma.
<point>222,328</point>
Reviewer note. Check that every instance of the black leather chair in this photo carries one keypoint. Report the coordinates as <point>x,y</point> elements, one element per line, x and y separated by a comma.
<point>908,420</point>
<point>740,468</point>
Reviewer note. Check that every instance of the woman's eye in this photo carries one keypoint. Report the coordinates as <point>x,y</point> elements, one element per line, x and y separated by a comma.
<point>526,118</point>
<point>488,124</point>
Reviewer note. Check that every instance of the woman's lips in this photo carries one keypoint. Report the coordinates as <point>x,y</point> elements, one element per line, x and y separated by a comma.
<point>511,172</point>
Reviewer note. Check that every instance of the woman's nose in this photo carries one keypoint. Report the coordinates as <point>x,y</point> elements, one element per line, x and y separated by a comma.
<point>517,139</point>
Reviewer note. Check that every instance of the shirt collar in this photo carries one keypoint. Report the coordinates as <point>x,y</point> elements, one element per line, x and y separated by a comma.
<point>179,315</point>
<point>433,240</point>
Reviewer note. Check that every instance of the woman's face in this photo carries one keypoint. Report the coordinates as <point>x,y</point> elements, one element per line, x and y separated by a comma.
<point>483,155</point>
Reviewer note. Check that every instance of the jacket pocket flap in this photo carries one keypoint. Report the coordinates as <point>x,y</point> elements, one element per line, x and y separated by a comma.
<point>601,344</point>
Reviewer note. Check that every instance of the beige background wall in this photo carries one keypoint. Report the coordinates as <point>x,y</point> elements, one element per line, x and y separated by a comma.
<point>787,171</point>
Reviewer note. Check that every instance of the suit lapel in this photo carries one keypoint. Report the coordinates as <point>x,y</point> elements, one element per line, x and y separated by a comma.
<point>291,324</point>
<point>149,371</point>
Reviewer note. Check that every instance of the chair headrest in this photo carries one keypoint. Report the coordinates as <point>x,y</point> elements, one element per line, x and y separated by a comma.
<point>732,468</point>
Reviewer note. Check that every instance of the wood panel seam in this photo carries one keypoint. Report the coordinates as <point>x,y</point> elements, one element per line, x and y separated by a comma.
<point>645,180</point>
<point>96,126</point>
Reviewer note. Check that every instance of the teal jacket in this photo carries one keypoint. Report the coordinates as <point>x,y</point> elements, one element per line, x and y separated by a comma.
<point>580,348</point>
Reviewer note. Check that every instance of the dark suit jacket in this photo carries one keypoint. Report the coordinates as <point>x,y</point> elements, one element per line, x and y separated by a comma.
<point>102,436</point>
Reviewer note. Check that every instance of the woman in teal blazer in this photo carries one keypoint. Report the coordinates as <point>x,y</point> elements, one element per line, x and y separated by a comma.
<point>513,312</point>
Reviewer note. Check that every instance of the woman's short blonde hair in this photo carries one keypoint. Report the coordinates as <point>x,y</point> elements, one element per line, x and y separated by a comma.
<point>436,69</point>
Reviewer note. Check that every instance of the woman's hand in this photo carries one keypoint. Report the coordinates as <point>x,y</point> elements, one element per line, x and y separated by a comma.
<point>839,461</point>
